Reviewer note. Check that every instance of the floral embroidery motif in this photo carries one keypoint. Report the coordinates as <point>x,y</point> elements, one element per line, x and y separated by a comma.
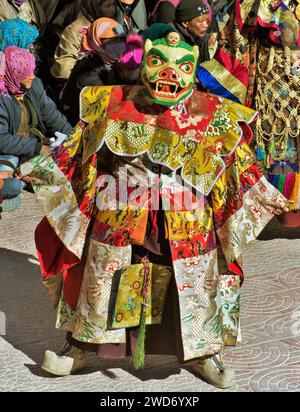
<point>220,124</point>
<point>174,144</point>
<point>160,151</point>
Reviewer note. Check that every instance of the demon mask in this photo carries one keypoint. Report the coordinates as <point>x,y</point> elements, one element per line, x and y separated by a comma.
<point>169,69</point>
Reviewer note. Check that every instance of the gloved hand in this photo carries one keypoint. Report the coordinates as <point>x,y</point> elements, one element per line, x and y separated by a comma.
<point>60,138</point>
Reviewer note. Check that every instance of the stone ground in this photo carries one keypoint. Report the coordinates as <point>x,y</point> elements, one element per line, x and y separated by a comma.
<point>267,360</point>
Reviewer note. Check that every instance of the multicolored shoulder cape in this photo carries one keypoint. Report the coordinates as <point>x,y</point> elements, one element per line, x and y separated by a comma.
<point>197,140</point>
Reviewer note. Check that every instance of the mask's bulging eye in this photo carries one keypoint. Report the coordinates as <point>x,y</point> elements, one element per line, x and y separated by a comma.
<point>154,61</point>
<point>187,68</point>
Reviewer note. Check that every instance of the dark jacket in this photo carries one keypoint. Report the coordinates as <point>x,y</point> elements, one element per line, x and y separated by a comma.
<point>137,12</point>
<point>89,71</point>
<point>50,120</point>
<point>59,14</point>
<point>201,42</point>
<point>165,13</point>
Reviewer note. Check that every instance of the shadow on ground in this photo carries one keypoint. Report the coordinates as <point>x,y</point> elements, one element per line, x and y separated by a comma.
<point>275,230</point>
<point>267,360</point>
<point>25,303</point>
<point>157,368</point>
<point>30,321</point>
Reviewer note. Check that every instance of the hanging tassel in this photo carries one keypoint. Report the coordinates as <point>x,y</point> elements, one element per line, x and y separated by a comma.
<point>267,161</point>
<point>271,152</point>
<point>295,193</point>
<point>297,203</point>
<point>274,179</point>
<point>281,183</point>
<point>260,154</point>
<point>138,359</point>
<point>271,159</point>
<point>289,186</point>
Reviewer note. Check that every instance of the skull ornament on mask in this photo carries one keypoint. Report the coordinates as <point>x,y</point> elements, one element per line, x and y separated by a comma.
<point>169,69</point>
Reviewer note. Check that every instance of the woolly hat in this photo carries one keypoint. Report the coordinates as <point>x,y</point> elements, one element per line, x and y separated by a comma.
<point>157,31</point>
<point>190,9</point>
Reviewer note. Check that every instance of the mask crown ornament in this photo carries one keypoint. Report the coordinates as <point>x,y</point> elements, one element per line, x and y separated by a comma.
<point>169,69</point>
<point>173,39</point>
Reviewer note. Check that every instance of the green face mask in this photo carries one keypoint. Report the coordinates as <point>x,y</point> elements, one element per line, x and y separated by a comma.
<point>169,69</point>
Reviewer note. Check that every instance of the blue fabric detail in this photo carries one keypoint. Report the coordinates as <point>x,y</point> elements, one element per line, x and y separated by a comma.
<point>9,205</point>
<point>275,182</point>
<point>9,158</point>
<point>12,188</point>
<point>213,86</point>
<point>283,6</point>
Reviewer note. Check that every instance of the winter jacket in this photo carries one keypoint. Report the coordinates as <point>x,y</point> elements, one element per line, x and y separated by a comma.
<point>89,71</point>
<point>59,14</point>
<point>138,15</point>
<point>50,120</point>
<point>164,12</point>
<point>67,51</point>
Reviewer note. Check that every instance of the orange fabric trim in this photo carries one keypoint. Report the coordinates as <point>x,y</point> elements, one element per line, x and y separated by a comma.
<point>137,235</point>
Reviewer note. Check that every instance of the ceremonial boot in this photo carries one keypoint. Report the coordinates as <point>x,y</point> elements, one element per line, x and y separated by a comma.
<point>214,372</point>
<point>67,361</point>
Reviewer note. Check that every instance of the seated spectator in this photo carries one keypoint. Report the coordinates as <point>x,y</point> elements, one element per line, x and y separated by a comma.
<point>103,44</point>
<point>28,10</point>
<point>17,32</point>
<point>20,33</point>
<point>68,48</point>
<point>164,11</point>
<point>132,14</point>
<point>197,26</point>
<point>27,115</point>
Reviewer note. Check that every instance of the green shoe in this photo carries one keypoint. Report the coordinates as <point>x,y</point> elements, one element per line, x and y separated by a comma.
<point>213,371</point>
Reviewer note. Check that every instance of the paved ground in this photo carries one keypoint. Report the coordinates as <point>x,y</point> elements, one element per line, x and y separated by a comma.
<point>267,360</point>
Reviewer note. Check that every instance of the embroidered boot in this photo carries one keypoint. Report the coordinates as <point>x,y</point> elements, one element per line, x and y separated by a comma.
<point>214,372</point>
<point>67,361</point>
